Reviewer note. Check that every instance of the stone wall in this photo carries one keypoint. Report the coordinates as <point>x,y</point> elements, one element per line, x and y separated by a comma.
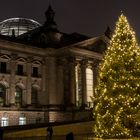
<point>13,117</point>
<point>32,117</point>
<point>59,116</point>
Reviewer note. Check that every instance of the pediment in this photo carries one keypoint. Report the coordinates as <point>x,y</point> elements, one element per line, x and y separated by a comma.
<point>96,44</point>
<point>5,57</point>
<point>36,62</point>
<point>23,60</point>
<point>100,46</point>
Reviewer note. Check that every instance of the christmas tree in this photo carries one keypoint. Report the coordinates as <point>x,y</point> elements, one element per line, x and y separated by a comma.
<point>117,99</point>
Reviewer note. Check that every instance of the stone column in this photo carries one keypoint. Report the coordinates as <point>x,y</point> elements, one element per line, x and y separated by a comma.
<point>24,97</point>
<point>66,82</point>
<point>72,81</point>
<point>51,78</point>
<point>95,73</point>
<point>7,96</point>
<point>83,82</point>
<point>29,80</point>
<point>93,70</point>
<point>60,83</point>
<point>44,94</point>
<point>12,79</point>
<point>78,84</point>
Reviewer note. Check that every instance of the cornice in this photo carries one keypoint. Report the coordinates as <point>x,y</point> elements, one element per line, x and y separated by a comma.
<point>77,52</point>
<point>17,47</point>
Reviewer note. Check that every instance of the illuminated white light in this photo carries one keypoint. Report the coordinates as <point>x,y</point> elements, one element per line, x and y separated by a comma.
<point>4,121</point>
<point>22,121</point>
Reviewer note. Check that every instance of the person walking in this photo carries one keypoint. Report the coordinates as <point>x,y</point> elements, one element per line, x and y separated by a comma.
<point>49,132</point>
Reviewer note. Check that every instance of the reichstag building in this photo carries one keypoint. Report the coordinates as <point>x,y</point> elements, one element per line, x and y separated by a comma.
<point>46,75</point>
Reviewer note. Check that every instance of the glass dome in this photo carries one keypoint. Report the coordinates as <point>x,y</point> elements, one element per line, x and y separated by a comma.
<point>17,26</point>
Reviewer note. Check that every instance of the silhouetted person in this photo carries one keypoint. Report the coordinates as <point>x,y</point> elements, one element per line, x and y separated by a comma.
<point>1,134</point>
<point>49,132</point>
<point>69,136</point>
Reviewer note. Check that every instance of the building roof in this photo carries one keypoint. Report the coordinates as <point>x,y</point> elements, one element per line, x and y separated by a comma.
<point>48,36</point>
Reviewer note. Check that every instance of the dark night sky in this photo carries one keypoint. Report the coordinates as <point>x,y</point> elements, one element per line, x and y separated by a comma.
<point>89,17</point>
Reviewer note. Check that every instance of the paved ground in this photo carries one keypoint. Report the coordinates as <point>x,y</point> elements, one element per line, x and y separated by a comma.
<point>80,130</point>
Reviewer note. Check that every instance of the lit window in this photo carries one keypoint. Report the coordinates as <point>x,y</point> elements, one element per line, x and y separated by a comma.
<point>4,121</point>
<point>18,96</point>
<point>89,82</point>
<point>22,121</point>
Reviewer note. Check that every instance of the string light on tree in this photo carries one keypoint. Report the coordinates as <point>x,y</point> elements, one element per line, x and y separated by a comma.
<point>118,91</point>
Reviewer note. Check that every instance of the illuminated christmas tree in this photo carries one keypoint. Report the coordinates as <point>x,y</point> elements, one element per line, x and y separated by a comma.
<point>117,99</point>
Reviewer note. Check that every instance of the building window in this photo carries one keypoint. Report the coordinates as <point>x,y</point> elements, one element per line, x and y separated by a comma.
<point>35,72</point>
<point>22,120</point>
<point>3,67</point>
<point>18,96</point>
<point>4,121</point>
<point>19,69</point>
<point>34,96</point>
<point>2,95</point>
<point>89,82</point>
<point>78,86</point>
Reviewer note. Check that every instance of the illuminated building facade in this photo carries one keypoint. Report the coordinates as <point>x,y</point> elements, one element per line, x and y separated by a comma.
<point>45,74</point>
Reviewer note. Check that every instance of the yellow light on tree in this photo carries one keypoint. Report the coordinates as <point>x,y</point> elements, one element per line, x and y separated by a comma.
<point>118,91</point>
